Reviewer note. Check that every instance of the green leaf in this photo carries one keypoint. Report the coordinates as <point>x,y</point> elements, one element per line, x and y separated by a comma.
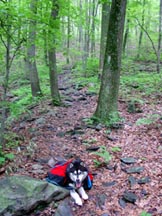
<point>9,156</point>
<point>145,214</point>
<point>2,160</point>
<point>115,149</point>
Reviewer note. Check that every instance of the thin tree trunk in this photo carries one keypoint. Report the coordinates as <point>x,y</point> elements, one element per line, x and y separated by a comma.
<point>45,47</point>
<point>68,36</point>
<point>86,40</point>
<point>141,32</point>
<point>31,56</point>
<point>159,40</point>
<point>125,37</point>
<point>93,30</point>
<point>5,89</point>
<point>56,100</point>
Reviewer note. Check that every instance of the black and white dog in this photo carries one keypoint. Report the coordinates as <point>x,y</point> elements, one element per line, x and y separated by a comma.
<point>73,175</point>
<point>78,175</point>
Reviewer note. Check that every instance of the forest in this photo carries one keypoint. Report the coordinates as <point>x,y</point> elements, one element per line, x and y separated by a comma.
<point>83,78</point>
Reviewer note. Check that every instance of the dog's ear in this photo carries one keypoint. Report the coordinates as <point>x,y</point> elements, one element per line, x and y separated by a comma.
<point>71,165</point>
<point>82,164</point>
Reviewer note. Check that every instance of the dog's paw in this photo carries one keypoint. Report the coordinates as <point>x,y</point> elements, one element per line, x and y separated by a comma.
<point>85,196</point>
<point>79,202</point>
<point>83,193</point>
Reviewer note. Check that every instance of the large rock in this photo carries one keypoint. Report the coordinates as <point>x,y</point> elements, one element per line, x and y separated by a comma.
<point>20,194</point>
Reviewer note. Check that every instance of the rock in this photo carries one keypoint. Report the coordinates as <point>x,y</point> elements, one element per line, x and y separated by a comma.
<point>105,214</point>
<point>91,94</point>
<point>122,203</point>
<point>128,160</point>
<point>134,170</point>
<point>144,192</point>
<point>117,125</point>
<point>20,195</point>
<point>75,132</point>
<point>109,184</point>
<point>144,180</point>
<point>111,138</point>
<point>130,197</point>
<point>99,127</point>
<point>64,209</point>
<point>60,134</point>
<point>93,148</point>
<point>37,166</point>
<point>82,98</point>
<point>100,201</point>
<point>40,121</point>
<point>132,181</point>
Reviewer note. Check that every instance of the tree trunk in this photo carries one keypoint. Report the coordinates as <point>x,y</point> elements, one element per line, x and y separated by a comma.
<point>5,88</point>
<point>31,58</point>
<point>141,32</point>
<point>107,107</point>
<point>159,40</point>
<point>93,29</point>
<point>68,36</point>
<point>56,100</point>
<point>86,40</point>
<point>125,37</point>
<point>104,29</point>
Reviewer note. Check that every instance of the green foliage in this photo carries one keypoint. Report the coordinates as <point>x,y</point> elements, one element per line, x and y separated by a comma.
<point>148,120</point>
<point>104,155</point>
<point>91,83</point>
<point>91,67</point>
<point>144,213</point>
<point>114,120</point>
<point>4,157</point>
<point>89,142</point>
<point>138,84</point>
<point>12,140</point>
<point>115,149</point>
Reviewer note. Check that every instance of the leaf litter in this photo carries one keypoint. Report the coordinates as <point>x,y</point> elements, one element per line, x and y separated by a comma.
<point>46,134</point>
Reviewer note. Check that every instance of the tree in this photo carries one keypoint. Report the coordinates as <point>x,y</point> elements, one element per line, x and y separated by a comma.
<point>9,25</point>
<point>31,49</point>
<point>160,37</point>
<point>53,26</point>
<point>107,107</point>
<point>141,32</point>
<point>104,29</point>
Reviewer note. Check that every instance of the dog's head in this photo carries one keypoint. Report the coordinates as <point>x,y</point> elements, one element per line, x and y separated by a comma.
<point>77,172</point>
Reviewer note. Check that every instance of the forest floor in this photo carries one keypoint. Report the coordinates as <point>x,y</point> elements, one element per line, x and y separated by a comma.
<point>63,133</point>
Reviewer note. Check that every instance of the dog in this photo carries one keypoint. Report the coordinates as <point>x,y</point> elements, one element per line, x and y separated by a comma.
<point>73,175</point>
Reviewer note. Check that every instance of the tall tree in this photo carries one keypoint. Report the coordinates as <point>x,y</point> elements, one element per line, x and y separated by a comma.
<point>31,51</point>
<point>160,38</point>
<point>104,29</point>
<point>141,32</point>
<point>53,27</point>
<point>107,107</point>
<point>9,25</point>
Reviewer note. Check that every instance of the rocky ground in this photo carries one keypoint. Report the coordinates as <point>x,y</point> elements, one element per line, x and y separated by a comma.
<point>128,185</point>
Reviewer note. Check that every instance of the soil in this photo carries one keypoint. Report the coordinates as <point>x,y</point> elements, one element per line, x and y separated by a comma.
<point>64,132</point>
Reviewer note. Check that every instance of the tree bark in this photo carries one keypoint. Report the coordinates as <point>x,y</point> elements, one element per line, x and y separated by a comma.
<point>141,32</point>
<point>107,107</point>
<point>104,29</point>
<point>159,40</point>
<point>31,56</point>
<point>56,100</point>
<point>126,36</point>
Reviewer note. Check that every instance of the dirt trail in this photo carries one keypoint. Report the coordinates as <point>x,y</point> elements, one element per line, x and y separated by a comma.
<point>60,132</point>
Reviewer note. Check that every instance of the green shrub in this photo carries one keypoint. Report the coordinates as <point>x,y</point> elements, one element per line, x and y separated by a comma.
<point>104,155</point>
